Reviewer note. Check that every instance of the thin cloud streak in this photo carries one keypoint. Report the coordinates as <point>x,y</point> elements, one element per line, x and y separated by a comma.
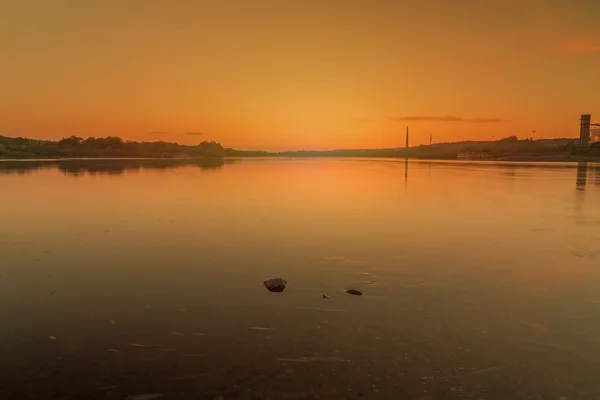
<point>580,46</point>
<point>448,118</point>
<point>158,133</point>
<point>194,133</point>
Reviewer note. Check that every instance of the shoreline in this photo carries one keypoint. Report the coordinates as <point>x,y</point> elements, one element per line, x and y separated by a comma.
<point>525,158</point>
<point>48,159</point>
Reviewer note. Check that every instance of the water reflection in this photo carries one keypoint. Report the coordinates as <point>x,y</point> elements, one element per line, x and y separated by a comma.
<point>511,171</point>
<point>77,167</point>
<point>596,176</point>
<point>475,286</point>
<point>406,172</point>
<point>582,171</point>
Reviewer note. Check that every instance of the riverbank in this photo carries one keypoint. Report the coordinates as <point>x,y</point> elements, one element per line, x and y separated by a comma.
<point>507,149</point>
<point>562,158</point>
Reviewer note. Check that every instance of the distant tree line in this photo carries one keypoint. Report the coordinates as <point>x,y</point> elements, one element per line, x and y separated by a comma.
<point>110,146</point>
<point>507,146</point>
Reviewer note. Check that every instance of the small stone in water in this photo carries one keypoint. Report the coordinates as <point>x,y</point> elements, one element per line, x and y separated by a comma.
<point>325,296</point>
<point>354,292</point>
<point>275,285</point>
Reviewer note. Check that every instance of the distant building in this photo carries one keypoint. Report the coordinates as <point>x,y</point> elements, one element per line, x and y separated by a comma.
<point>584,129</point>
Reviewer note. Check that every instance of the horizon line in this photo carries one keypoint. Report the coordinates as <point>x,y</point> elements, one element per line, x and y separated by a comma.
<point>321,150</point>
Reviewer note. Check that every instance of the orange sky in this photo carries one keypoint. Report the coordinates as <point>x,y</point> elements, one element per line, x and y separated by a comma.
<point>298,74</point>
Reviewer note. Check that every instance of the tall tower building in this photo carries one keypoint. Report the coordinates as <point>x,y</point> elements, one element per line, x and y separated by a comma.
<point>584,130</point>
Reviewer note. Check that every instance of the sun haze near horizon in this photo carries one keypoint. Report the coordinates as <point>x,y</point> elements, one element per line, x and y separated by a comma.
<point>315,74</point>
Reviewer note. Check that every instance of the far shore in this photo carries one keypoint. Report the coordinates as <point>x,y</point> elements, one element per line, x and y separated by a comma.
<point>562,158</point>
<point>51,159</point>
<point>546,158</point>
<point>510,148</point>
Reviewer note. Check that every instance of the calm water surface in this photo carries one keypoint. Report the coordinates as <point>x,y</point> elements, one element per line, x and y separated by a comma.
<point>124,278</point>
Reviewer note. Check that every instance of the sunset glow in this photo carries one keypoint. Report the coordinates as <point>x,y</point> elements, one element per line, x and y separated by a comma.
<point>315,74</point>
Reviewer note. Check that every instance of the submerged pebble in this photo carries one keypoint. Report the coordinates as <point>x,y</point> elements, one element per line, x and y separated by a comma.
<point>275,285</point>
<point>354,292</point>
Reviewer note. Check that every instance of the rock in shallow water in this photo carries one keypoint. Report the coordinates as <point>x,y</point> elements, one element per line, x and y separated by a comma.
<point>275,285</point>
<point>354,292</point>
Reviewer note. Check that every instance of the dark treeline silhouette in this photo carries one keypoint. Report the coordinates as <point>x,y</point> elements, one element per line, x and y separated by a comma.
<point>506,147</point>
<point>110,167</point>
<point>115,147</point>
<point>110,146</point>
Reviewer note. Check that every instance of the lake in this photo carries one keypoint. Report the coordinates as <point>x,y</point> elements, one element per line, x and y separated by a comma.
<point>121,278</point>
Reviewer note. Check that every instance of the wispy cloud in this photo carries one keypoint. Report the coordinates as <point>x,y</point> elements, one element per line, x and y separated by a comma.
<point>447,118</point>
<point>158,133</point>
<point>194,133</point>
<point>580,46</point>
